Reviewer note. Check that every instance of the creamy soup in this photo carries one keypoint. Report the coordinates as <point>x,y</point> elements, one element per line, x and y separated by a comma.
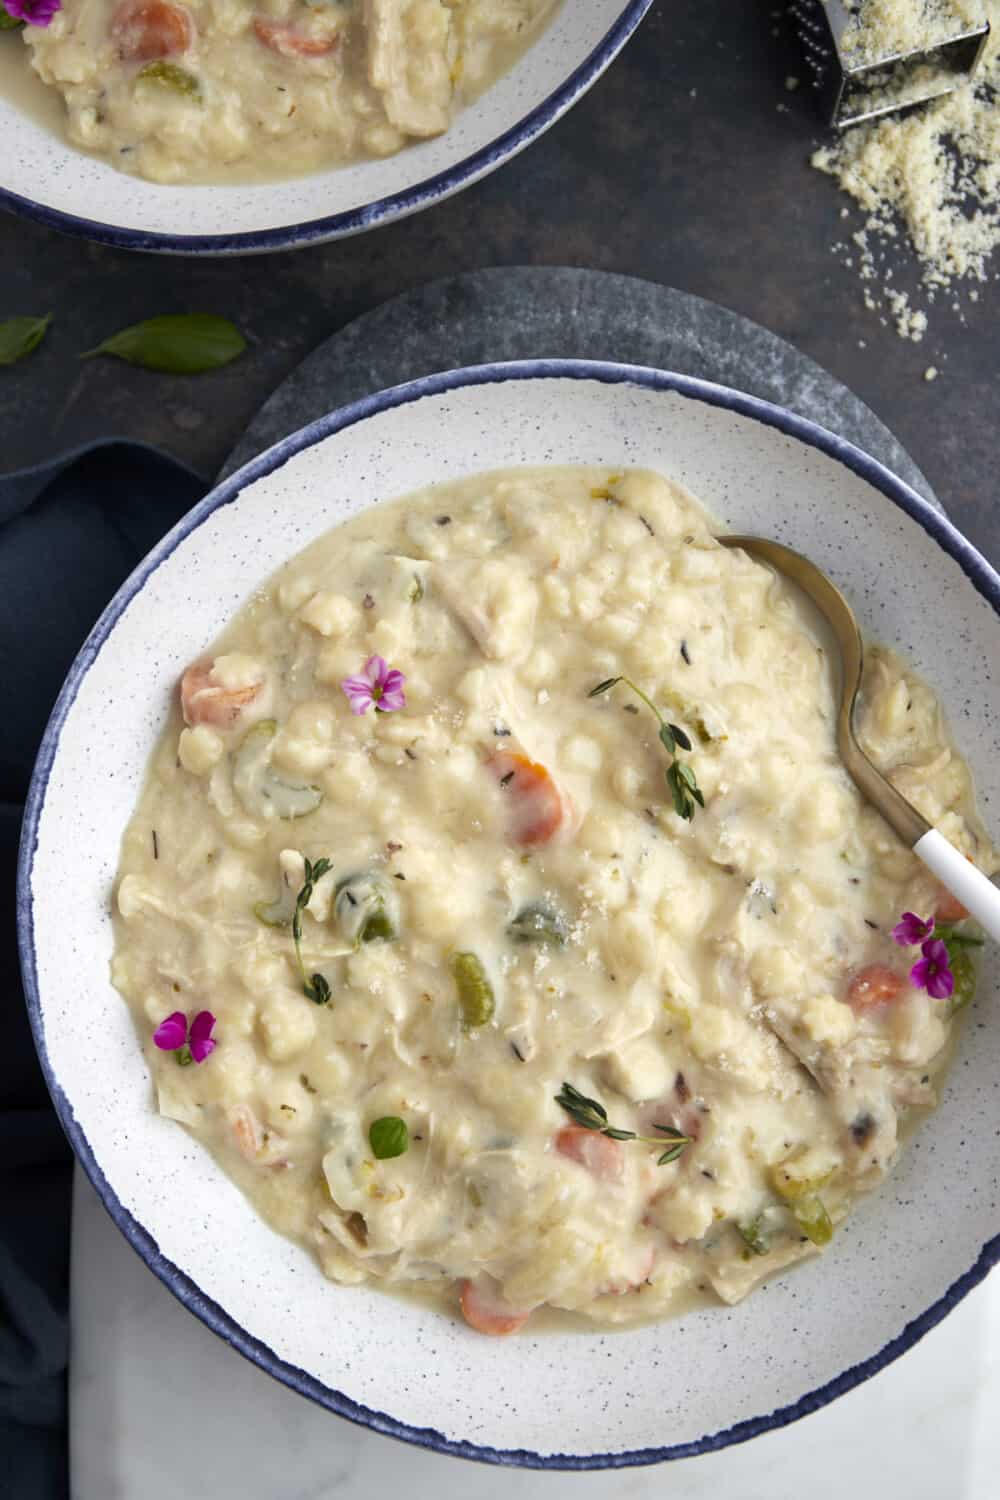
<point>190,90</point>
<point>498,912</point>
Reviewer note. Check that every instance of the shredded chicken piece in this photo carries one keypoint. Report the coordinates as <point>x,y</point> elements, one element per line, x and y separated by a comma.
<point>415,83</point>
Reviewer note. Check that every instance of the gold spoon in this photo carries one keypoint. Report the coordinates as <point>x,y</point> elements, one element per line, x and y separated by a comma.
<point>970,886</point>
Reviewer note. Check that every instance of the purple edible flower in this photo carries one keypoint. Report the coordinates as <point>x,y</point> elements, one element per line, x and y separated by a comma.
<point>173,1035</point>
<point>33,12</point>
<point>378,684</point>
<point>933,972</point>
<point>911,929</point>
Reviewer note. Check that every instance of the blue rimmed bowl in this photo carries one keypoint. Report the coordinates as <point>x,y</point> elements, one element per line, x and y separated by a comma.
<point>570,1400</point>
<point>46,179</point>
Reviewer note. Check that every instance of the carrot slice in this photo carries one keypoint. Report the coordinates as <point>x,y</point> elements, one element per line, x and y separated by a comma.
<point>599,1154</point>
<point>874,985</point>
<point>279,37</point>
<point>537,808</point>
<point>206,702</point>
<point>144,30</point>
<point>487,1311</point>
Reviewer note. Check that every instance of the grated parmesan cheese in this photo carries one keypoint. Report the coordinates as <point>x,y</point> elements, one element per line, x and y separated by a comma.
<point>931,177</point>
<point>891,28</point>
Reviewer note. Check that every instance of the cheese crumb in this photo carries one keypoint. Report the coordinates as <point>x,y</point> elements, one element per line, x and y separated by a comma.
<point>826,1019</point>
<point>931,176</point>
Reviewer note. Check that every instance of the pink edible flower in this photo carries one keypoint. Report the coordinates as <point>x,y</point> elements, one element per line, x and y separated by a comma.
<point>911,929</point>
<point>33,12</point>
<point>933,972</point>
<point>173,1035</point>
<point>378,684</point>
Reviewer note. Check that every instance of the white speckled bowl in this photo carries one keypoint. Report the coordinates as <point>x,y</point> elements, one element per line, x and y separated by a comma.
<point>574,1400</point>
<point>46,179</point>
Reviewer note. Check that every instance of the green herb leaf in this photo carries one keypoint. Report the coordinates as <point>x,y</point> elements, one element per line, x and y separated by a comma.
<point>957,939</point>
<point>677,1143</point>
<point>680,794</point>
<point>314,986</point>
<point>671,1154</point>
<point>681,780</point>
<point>964,973</point>
<point>318,990</point>
<point>586,1112</point>
<point>7,21</point>
<point>19,336</point>
<point>388,1137</point>
<point>684,790</point>
<point>178,344</point>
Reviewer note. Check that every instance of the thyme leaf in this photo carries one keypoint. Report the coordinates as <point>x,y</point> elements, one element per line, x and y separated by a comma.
<point>314,986</point>
<point>591,1115</point>
<point>681,780</point>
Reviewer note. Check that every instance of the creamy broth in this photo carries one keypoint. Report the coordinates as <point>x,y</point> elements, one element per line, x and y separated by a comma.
<point>186,91</point>
<point>21,86</point>
<point>517,900</point>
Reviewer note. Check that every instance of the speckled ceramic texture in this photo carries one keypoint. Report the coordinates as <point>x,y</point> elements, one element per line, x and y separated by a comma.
<point>51,181</point>
<point>560,1399</point>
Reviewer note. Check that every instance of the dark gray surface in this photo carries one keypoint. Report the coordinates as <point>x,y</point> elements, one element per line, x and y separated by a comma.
<point>558,312</point>
<point>707,191</point>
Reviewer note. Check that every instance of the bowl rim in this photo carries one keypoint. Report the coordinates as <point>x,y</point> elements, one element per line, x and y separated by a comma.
<point>983,577</point>
<point>409,200</point>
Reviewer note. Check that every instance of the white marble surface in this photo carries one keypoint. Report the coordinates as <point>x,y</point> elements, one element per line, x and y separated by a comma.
<point>163,1410</point>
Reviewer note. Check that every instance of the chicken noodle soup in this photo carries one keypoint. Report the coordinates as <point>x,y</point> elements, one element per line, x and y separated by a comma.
<point>190,90</point>
<point>547,945</point>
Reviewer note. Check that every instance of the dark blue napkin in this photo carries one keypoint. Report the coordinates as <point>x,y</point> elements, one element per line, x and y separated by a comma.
<point>70,531</point>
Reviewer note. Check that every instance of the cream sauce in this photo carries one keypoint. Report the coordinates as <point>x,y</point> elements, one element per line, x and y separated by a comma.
<point>727,979</point>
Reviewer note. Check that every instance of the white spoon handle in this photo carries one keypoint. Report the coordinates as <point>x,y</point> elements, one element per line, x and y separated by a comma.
<point>966,883</point>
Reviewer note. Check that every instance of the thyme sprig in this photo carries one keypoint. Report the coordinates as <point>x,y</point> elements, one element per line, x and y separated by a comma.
<point>314,986</point>
<point>592,1115</point>
<point>681,780</point>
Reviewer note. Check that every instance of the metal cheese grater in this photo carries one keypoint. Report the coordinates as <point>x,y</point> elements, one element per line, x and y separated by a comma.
<point>848,93</point>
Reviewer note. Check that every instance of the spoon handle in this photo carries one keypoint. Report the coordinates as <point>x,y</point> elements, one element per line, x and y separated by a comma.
<point>969,885</point>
